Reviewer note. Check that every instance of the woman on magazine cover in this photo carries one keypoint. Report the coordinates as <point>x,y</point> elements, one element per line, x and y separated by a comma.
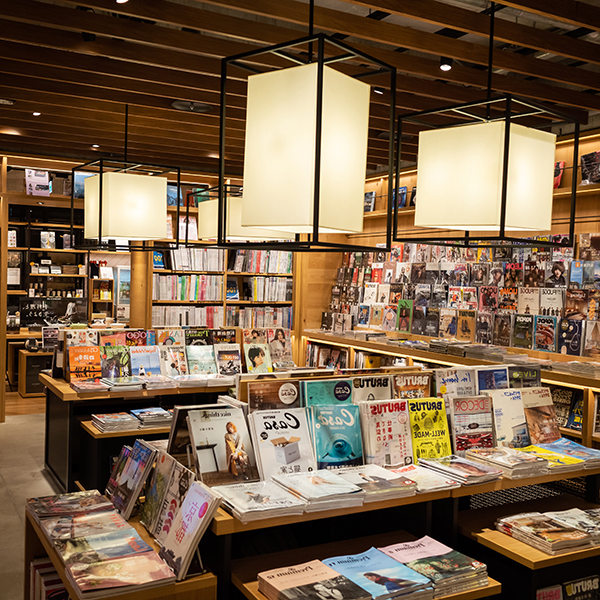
<point>236,455</point>
<point>277,344</point>
<point>391,584</point>
<point>256,356</point>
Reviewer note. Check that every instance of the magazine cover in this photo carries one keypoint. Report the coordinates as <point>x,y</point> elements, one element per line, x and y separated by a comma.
<point>433,559</point>
<point>318,485</point>
<point>311,581</point>
<point>201,360</point>
<point>576,275</point>
<point>258,358</point>
<point>405,310</point>
<point>228,357</point>
<point>491,378</point>
<point>471,418</point>
<point>551,302</point>
<point>556,274</point>
<point>155,492</point>
<point>116,361</point>
<point>510,427</point>
<point>468,299</point>
<point>570,336</point>
<point>439,296</point>
<point>502,329</point>
<point>484,327</point>
<point>432,322</point>
<point>418,321</point>
<point>364,313</point>
<point>571,448</point>
<point>145,361</point>
<point>68,527</point>
<point>507,299</point>
<point>576,304</point>
<point>112,338</point>
<point>255,336</point>
<point>488,298</point>
<point>85,362</point>
<point>412,385</point>
<point>466,325</point>
<point>528,301</point>
<point>386,432</point>
<point>422,295</point>
<point>454,296</point>
<point>513,274</point>
<point>195,337</point>
<point>396,292</point>
<point>448,322</point>
<point>591,346</point>
<point>135,337</point>
<point>170,337</point>
<point>377,482</point>
<point>593,305</point>
<point>282,441</point>
<point>581,589</point>
<point>480,273</point>
<point>326,391</point>
<point>336,435</point>
<point>496,276</point>
<point>522,333</point>
<point>371,387</point>
<point>280,345</point>
<point>390,318</point>
<point>222,336</point>
<point>524,376</point>
<point>540,415</point>
<point>189,524</point>
<point>173,361</point>
<point>545,334</point>
<point>533,274</point>
<point>429,427</point>
<point>379,574</point>
<point>272,394</point>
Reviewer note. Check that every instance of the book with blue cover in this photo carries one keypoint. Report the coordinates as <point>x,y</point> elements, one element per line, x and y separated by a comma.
<point>336,435</point>
<point>491,378</point>
<point>570,336</point>
<point>545,333</point>
<point>326,392</point>
<point>145,361</point>
<point>381,575</point>
<point>571,448</point>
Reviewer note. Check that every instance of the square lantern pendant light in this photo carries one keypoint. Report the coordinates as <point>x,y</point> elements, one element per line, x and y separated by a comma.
<point>122,201</point>
<point>487,173</point>
<point>305,156</point>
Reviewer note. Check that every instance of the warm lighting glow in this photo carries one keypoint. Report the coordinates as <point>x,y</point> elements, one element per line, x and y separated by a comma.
<point>9,131</point>
<point>207,223</point>
<point>279,157</point>
<point>133,206</point>
<point>446,63</point>
<point>95,145</point>
<point>459,178</point>
<point>36,114</point>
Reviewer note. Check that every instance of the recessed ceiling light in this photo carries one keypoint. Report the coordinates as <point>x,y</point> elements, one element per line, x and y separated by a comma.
<point>40,203</point>
<point>36,114</point>
<point>445,63</point>
<point>95,145</point>
<point>378,90</point>
<point>122,1</point>
<point>185,105</point>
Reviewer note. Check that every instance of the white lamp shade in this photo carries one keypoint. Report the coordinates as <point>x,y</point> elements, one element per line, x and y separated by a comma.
<point>459,178</point>
<point>133,206</point>
<point>279,157</point>
<point>207,223</point>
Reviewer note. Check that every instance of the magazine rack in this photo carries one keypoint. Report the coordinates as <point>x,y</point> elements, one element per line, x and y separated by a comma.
<point>37,544</point>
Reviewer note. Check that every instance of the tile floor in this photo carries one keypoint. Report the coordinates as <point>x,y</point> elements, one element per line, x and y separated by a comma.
<point>21,477</point>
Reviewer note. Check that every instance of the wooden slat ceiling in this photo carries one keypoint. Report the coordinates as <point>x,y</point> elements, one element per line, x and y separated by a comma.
<point>80,62</point>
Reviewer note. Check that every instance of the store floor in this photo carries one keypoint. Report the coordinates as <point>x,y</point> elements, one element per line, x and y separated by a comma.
<point>21,477</point>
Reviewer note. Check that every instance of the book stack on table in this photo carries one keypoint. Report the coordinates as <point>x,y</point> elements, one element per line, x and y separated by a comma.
<point>112,422</point>
<point>152,417</point>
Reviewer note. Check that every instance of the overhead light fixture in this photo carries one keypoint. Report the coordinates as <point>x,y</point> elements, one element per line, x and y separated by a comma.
<point>122,1</point>
<point>186,106</point>
<point>95,145</point>
<point>36,114</point>
<point>378,90</point>
<point>446,63</point>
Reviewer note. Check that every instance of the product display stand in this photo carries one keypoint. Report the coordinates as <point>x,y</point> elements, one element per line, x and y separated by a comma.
<point>37,544</point>
<point>63,443</point>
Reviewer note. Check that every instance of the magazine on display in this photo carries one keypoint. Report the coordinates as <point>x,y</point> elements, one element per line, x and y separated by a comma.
<point>551,302</point>
<point>412,385</point>
<point>336,435</point>
<point>327,391</point>
<point>461,469</point>
<point>540,415</point>
<point>429,425</point>
<point>145,361</point>
<point>378,483</point>
<point>258,358</point>
<point>67,527</point>
<point>270,394</point>
<point>156,490</point>
<point>491,378</point>
<point>194,337</point>
<point>201,360</point>
<point>544,338</point>
<point>229,359</point>
<point>570,336</point>
<point>368,387</point>
<point>510,427</point>
<point>426,479</point>
<point>222,447</point>
<point>281,441</point>
<point>471,419</point>
<point>514,464</point>
<point>115,361</point>
<point>524,376</point>
<point>522,333</point>
<point>386,432</point>
<point>173,361</point>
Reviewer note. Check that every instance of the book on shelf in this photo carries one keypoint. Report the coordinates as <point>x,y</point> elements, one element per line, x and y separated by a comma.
<point>461,469</point>
<point>188,527</point>
<point>510,426</point>
<point>540,415</point>
<point>427,480</point>
<point>429,425</point>
<point>115,361</point>
<point>378,483</point>
<point>221,445</point>
<point>471,422</point>
<point>75,503</point>
<point>514,464</point>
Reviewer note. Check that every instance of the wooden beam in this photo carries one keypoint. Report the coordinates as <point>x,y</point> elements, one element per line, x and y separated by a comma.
<point>576,13</point>
<point>469,21</point>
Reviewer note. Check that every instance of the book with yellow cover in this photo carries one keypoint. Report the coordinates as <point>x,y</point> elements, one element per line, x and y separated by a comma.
<point>429,427</point>
<point>556,462</point>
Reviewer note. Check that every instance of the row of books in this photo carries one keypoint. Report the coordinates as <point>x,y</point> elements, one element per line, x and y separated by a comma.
<point>260,261</point>
<point>413,569</point>
<point>554,532</point>
<point>195,259</point>
<point>188,316</point>
<point>261,289</point>
<point>188,288</point>
<point>138,418</point>
<point>259,316</point>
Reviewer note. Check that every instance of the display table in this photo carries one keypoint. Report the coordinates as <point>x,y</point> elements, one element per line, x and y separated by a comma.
<point>73,452</point>
<point>30,365</point>
<point>37,545</point>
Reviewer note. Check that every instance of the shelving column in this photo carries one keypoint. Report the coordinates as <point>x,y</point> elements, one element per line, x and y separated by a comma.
<point>140,306</point>
<point>3,279</point>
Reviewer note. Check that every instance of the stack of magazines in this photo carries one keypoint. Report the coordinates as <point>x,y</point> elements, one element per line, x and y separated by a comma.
<point>544,533</point>
<point>259,500</point>
<point>321,489</point>
<point>123,384</point>
<point>557,463</point>
<point>77,503</point>
<point>514,464</point>
<point>378,483</point>
<point>427,480</point>
<point>461,469</point>
<point>584,520</point>
<point>451,572</point>
<point>590,456</point>
<point>115,422</point>
<point>311,580</point>
<point>152,417</point>
<point>157,382</point>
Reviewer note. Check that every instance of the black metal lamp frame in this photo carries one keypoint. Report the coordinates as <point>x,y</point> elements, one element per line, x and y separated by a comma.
<point>101,166</point>
<point>469,110</point>
<point>314,242</point>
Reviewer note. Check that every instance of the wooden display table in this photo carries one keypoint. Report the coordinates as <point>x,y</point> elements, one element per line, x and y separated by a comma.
<point>30,365</point>
<point>37,545</point>
<point>245,571</point>
<point>76,453</point>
